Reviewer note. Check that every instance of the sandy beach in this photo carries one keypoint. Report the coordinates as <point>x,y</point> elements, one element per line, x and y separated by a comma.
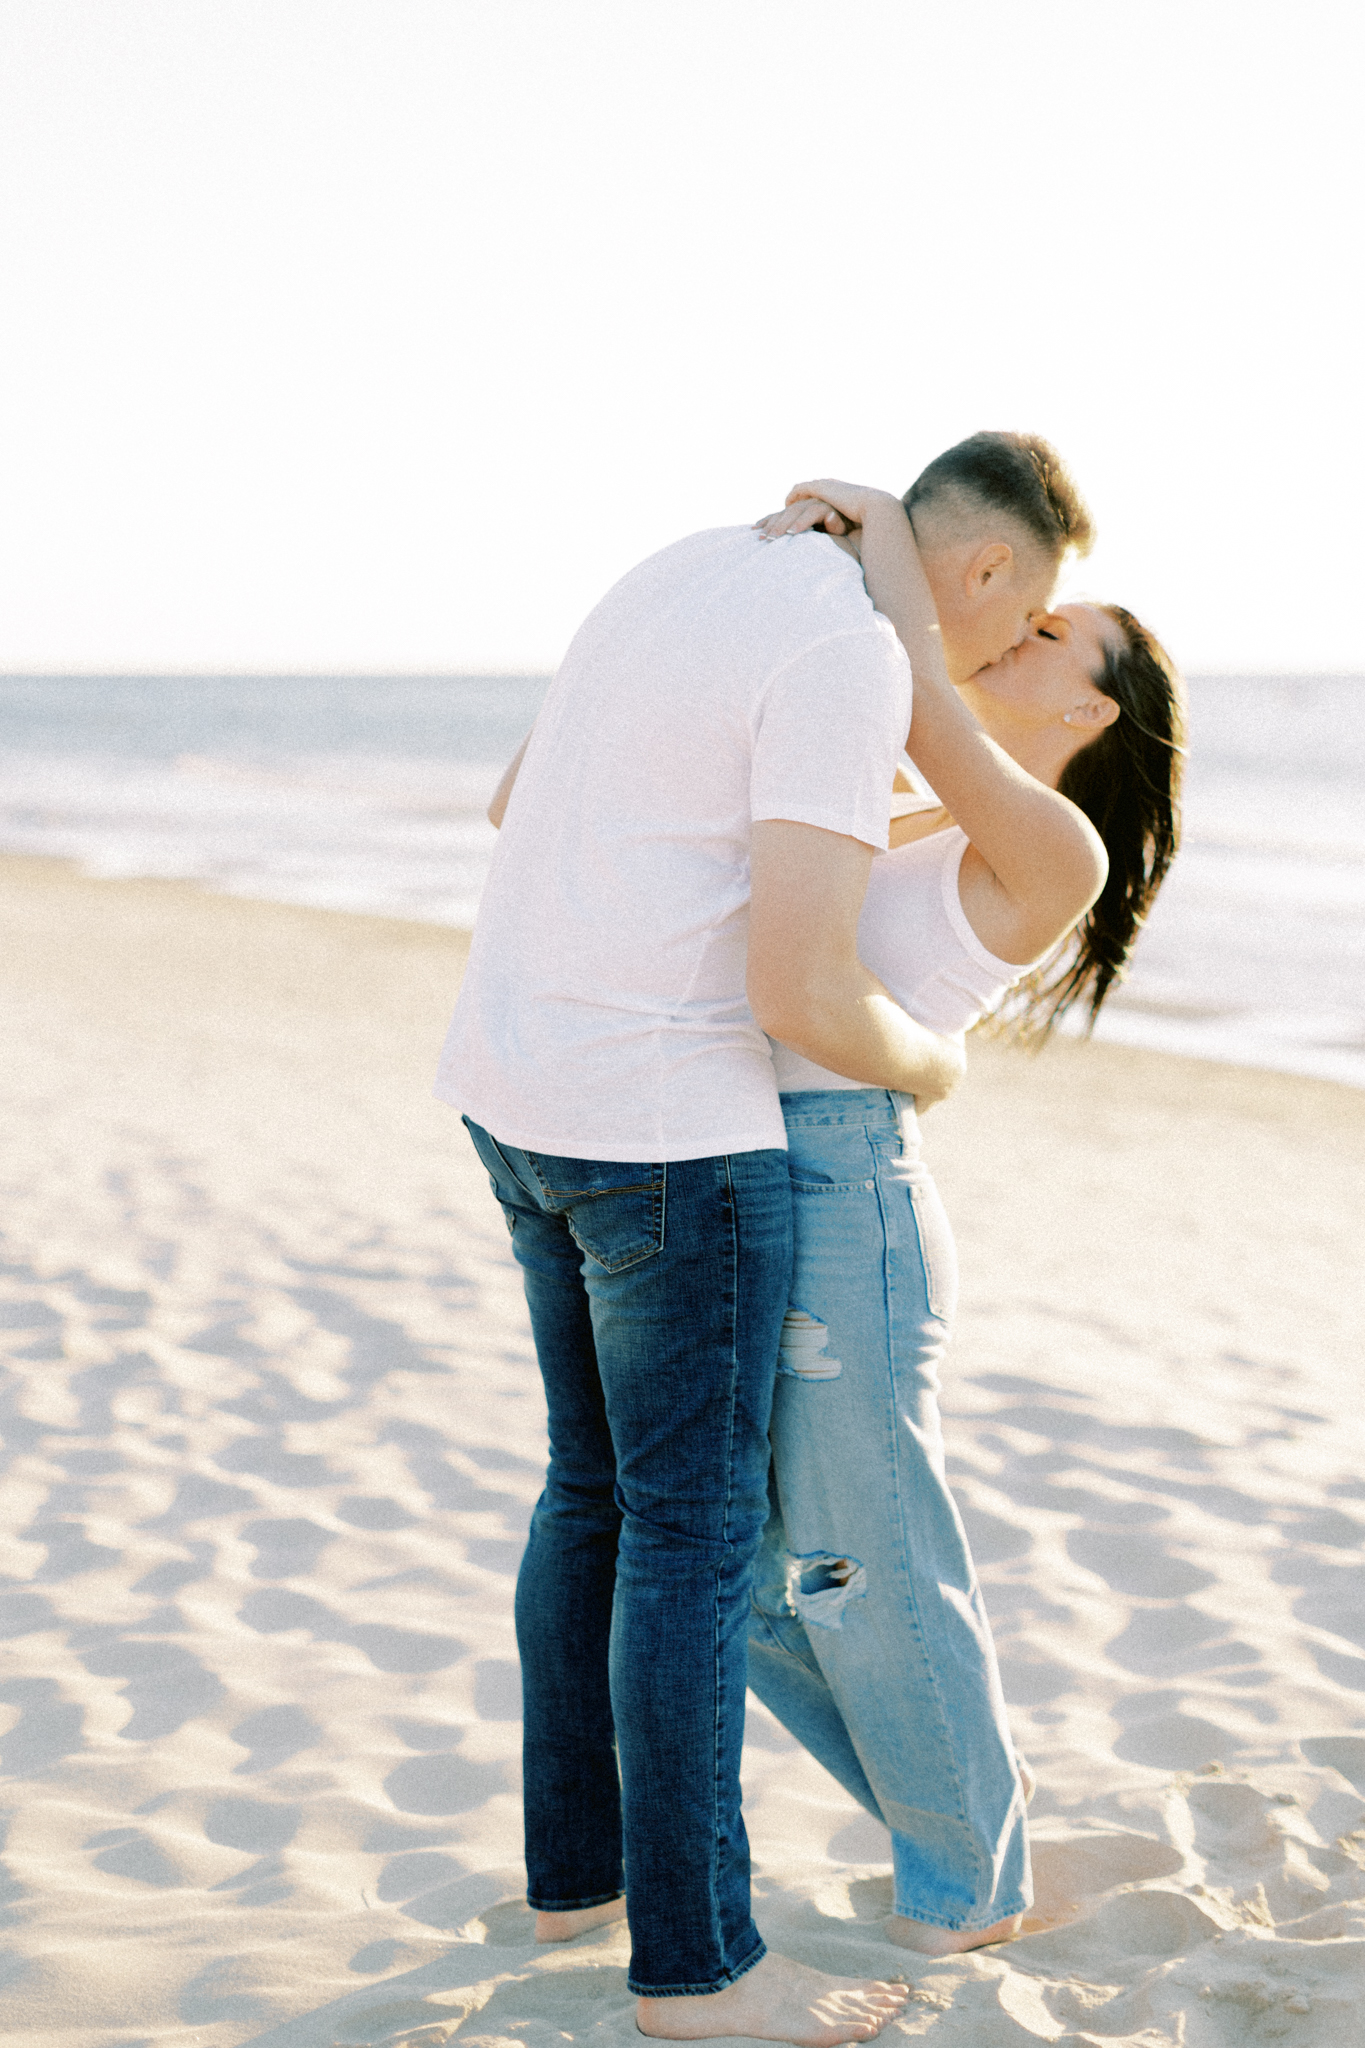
<point>273,1432</point>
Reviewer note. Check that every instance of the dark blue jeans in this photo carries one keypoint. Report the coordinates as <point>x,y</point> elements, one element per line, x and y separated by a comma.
<point>656,1296</point>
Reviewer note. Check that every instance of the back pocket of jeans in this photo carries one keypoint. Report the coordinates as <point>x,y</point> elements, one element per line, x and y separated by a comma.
<point>614,1208</point>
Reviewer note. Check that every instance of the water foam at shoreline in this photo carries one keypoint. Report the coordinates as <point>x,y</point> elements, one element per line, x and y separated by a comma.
<point>368,794</point>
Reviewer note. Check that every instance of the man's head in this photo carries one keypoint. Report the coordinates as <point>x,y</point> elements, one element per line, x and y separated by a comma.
<point>994,518</point>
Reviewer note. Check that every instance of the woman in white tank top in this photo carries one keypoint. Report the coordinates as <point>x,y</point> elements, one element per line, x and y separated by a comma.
<point>869,1638</point>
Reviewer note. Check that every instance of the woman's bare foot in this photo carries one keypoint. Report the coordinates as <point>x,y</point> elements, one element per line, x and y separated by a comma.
<point>779,2000</point>
<point>948,1941</point>
<point>564,1926</point>
<point>944,1941</point>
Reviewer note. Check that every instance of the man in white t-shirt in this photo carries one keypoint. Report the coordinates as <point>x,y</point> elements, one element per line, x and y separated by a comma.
<point>682,863</point>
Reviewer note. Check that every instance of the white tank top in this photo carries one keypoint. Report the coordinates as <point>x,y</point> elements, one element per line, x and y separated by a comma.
<point>915,937</point>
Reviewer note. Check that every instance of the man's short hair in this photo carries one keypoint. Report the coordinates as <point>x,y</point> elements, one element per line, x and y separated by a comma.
<point>1020,475</point>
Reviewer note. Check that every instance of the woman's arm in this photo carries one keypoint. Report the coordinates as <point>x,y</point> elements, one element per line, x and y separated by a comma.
<point>497,809</point>
<point>1044,859</point>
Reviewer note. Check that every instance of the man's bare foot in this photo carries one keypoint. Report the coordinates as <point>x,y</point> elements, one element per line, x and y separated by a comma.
<point>564,1926</point>
<point>1028,1782</point>
<point>779,2000</point>
<point>948,1941</point>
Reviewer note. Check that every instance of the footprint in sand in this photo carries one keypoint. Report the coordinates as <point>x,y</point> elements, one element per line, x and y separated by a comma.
<point>1131,1925</point>
<point>872,1898</point>
<point>286,1548</point>
<point>1267,1851</point>
<point>1134,1562</point>
<point>1344,1753</point>
<point>256,1826</point>
<point>509,1925</point>
<point>374,1511</point>
<point>406,2023</point>
<point>497,1689</point>
<point>1160,1733</point>
<point>127,1852</point>
<point>409,1874</point>
<point>441,1785</point>
<point>273,1735</point>
<point>1068,1872</point>
<point>48,1729</point>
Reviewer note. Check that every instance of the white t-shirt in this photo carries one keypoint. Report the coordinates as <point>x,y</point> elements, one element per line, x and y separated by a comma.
<point>914,935</point>
<point>603,1013</point>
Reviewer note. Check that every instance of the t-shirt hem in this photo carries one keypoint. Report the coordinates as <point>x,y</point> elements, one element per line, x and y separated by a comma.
<point>578,1143</point>
<point>875,836</point>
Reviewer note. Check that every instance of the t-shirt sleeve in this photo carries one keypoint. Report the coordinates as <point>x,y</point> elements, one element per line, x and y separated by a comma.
<point>830,730</point>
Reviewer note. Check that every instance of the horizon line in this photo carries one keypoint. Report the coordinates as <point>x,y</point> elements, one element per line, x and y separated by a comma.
<point>493,675</point>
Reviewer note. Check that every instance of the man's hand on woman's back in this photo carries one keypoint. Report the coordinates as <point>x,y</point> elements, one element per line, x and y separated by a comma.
<point>806,984</point>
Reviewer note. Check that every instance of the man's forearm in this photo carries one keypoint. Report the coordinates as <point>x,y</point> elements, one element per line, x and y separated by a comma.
<point>850,1025</point>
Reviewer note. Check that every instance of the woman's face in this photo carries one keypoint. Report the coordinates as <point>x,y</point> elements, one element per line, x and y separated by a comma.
<point>1046,679</point>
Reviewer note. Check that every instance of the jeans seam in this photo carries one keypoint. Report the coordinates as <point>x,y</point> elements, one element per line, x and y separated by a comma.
<point>933,1292</point>
<point>516,1178</point>
<point>775,1642</point>
<point>944,1721</point>
<point>625,1187</point>
<point>726,1532</point>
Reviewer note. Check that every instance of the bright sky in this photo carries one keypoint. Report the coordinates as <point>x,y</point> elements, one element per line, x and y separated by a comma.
<point>385,334</point>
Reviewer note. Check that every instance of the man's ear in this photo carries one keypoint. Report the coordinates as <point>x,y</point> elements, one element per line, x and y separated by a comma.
<point>990,562</point>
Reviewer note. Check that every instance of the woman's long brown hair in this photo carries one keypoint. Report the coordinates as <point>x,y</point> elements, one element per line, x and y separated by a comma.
<point>1128,784</point>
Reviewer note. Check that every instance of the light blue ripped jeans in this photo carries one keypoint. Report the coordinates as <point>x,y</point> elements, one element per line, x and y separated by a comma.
<point>868,1638</point>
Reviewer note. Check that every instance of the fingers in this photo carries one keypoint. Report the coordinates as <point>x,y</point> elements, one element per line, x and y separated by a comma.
<point>852,501</point>
<point>826,488</point>
<point>801,517</point>
<point>791,519</point>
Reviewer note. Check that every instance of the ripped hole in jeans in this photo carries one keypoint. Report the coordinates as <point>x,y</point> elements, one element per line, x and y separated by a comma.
<point>801,1352</point>
<point>820,1586</point>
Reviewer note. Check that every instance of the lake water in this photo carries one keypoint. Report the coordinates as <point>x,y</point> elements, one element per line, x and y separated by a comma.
<point>368,793</point>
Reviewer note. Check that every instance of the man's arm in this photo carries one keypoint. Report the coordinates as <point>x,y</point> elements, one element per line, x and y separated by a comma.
<point>807,985</point>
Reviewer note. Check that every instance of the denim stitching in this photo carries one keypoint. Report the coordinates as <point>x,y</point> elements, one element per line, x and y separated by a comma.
<point>928,1662</point>
<point>831,1187</point>
<point>637,1253</point>
<point>934,1291</point>
<point>625,1187</point>
<point>725,1539</point>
